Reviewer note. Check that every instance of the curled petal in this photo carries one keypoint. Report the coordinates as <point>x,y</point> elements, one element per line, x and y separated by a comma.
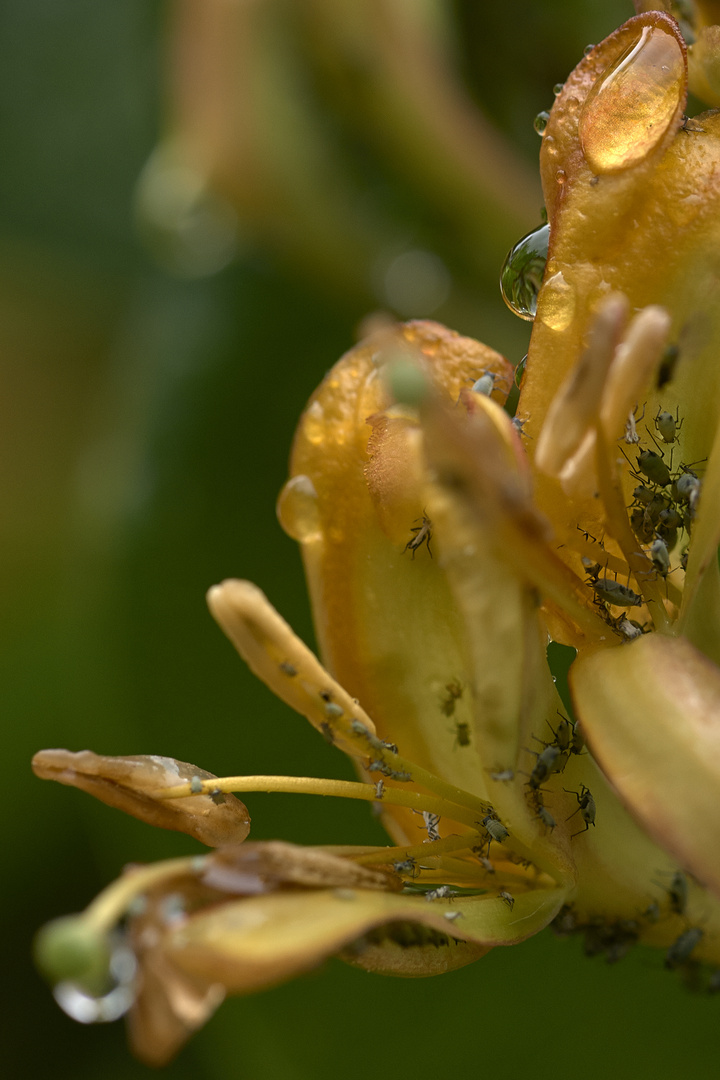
<point>651,714</point>
<point>130,783</point>
<point>249,944</point>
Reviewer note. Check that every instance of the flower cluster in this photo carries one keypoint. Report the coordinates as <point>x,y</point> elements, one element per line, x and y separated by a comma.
<point>445,543</point>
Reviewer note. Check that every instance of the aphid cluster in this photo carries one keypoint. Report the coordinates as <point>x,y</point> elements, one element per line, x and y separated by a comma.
<point>665,500</point>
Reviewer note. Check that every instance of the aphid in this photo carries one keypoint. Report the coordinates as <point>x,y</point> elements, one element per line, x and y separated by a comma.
<point>629,628</point>
<point>484,861</point>
<point>486,383</point>
<point>405,866</point>
<point>380,744</point>
<point>666,368</point>
<point>659,502</point>
<point>678,893</point>
<point>652,912</point>
<point>327,732</point>
<point>360,729</point>
<point>453,692</point>
<point>403,777</point>
<point>431,824</point>
<point>519,424</point>
<point>586,808</point>
<point>613,592</point>
<point>462,733</point>
<point>641,525</point>
<point>333,711</point>
<point>379,788</point>
<point>682,947</point>
<point>668,426</point>
<point>631,435</point>
<point>654,467</point>
<point>288,669</point>
<point>217,796</point>
<point>643,495</point>
<point>546,817</point>
<point>503,775</point>
<point>377,765</point>
<point>443,892</point>
<point>686,487</point>
<point>684,558</point>
<point>668,536</point>
<point>547,763</point>
<point>507,898</point>
<point>660,557</point>
<point>669,518</point>
<point>423,535</point>
<point>196,785</point>
<point>577,743</point>
<point>495,829</point>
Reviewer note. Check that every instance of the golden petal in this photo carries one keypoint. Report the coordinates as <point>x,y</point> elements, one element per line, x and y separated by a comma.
<point>249,944</point>
<point>129,784</point>
<point>651,713</point>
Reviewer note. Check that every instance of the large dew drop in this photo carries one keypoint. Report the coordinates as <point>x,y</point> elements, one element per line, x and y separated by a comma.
<point>633,103</point>
<point>297,510</point>
<point>522,272</point>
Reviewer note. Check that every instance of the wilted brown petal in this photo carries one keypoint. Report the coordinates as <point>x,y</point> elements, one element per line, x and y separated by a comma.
<point>263,867</point>
<point>131,783</point>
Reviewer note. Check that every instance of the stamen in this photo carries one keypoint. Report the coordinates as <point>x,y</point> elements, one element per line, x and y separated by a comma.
<point>343,789</point>
<point>272,651</point>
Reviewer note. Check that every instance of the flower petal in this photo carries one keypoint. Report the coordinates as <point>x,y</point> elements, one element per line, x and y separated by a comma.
<point>129,784</point>
<point>258,942</point>
<point>651,713</point>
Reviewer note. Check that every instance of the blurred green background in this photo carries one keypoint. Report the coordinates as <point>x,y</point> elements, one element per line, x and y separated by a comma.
<point>153,367</point>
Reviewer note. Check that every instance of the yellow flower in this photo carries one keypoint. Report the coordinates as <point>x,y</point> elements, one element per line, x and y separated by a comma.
<point>444,545</point>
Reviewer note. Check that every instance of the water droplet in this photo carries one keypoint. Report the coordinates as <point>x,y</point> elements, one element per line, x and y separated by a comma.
<point>298,511</point>
<point>540,122</point>
<point>520,371</point>
<point>558,303</point>
<point>522,272</point>
<point>89,1008</point>
<point>558,88</point>
<point>560,176</point>
<point>633,103</point>
<point>588,49</point>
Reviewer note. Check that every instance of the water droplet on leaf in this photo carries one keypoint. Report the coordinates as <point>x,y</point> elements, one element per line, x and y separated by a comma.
<point>522,272</point>
<point>298,510</point>
<point>633,102</point>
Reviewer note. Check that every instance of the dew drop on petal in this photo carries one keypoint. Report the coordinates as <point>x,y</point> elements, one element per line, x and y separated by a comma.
<point>558,303</point>
<point>298,510</point>
<point>633,102</point>
<point>522,272</point>
<point>540,122</point>
<point>558,88</point>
